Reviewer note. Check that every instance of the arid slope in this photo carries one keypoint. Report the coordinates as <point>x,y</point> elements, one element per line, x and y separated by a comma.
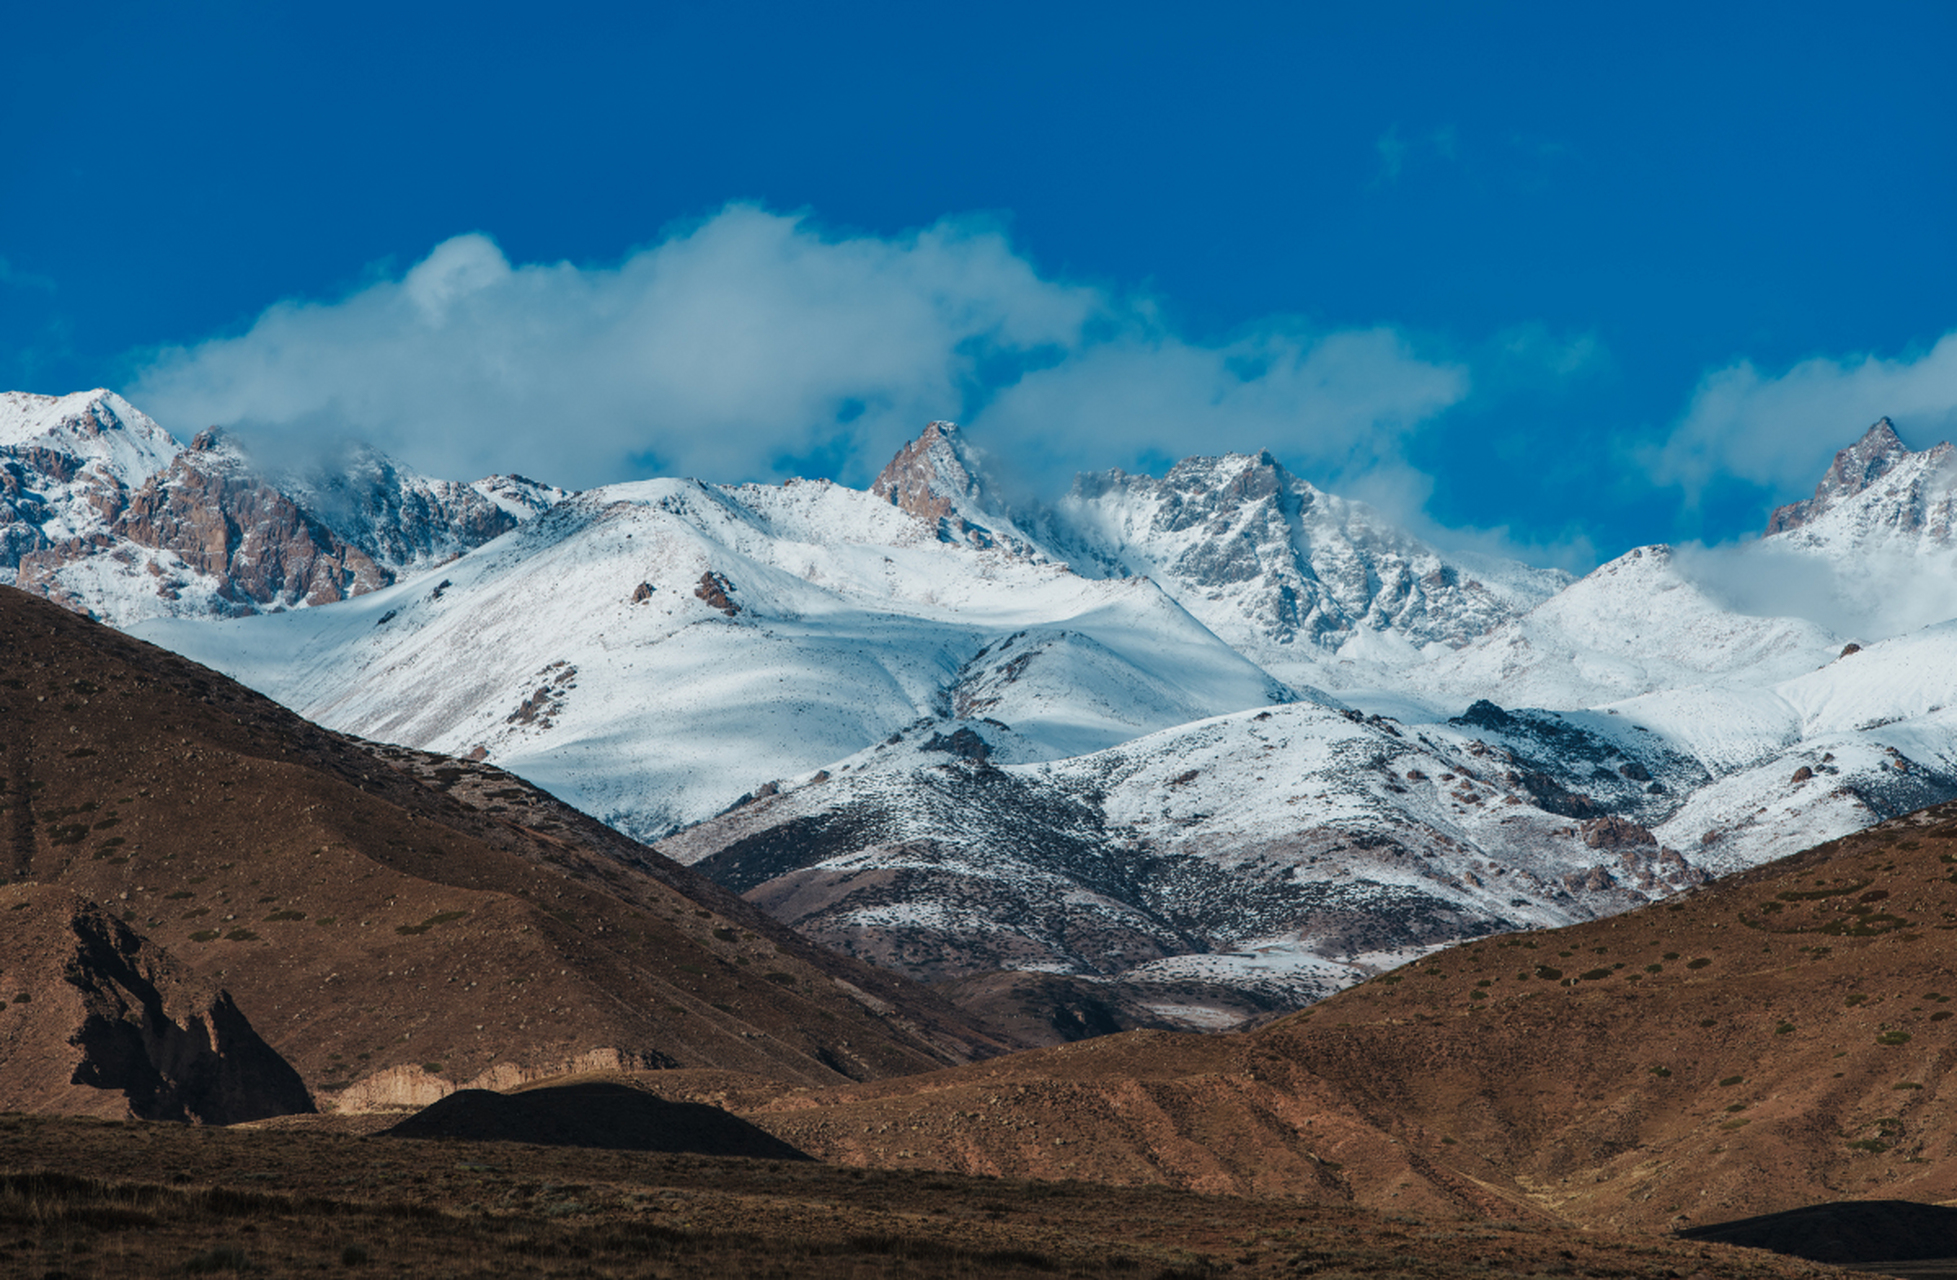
<point>1776,1039</point>
<point>388,939</point>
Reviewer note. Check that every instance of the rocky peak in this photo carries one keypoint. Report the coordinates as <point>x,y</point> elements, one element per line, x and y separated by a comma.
<point>103,511</point>
<point>1264,558</point>
<point>1855,468</point>
<point>929,477</point>
<point>109,1024</point>
<point>939,478</point>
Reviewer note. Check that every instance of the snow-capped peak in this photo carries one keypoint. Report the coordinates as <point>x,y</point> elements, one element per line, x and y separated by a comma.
<point>520,496</point>
<point>940,478</point>
<point>1855,468</point>
<point>1878,495</point>
<point>104,511</point>
<point>96,426</point>
<point>1288,573</point>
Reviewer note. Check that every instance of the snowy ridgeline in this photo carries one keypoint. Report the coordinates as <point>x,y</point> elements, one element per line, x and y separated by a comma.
<point>104,511</point>
<point>1213,732</point>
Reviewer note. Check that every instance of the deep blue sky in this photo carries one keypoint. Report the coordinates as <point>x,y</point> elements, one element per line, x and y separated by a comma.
<point>1657,191</point>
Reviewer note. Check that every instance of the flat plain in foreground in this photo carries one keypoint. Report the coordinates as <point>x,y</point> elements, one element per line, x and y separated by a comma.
<point>88,1198</point>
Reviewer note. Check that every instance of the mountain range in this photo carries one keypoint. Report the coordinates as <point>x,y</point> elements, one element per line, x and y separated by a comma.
<point>1172,751</point>
<point>219,912</point>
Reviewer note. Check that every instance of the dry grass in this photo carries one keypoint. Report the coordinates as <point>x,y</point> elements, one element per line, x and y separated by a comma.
<point>87,1199</point>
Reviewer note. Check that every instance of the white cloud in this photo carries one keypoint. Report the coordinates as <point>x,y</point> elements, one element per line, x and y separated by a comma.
<point>1871,596</point>
<point>1782,430</point>
<point>1339,404</point>
<point>735,346</point>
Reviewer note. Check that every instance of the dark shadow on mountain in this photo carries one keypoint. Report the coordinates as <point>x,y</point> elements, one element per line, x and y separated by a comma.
<point>612,1116</point>
<point>1845,1231</point>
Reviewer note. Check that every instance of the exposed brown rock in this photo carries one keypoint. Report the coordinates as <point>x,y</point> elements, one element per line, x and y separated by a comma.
<point>931,479</point>
<point>267,542</point>
<point>1613,832</point>
<point>918,479</point>
<point>228,522</point>
<point>1853,470</point>
<point>717,590</point>
<point>97,1020</point>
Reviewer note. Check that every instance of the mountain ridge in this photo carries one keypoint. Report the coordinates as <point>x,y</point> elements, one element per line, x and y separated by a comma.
<point>733,669</point>
<point>104,511</point>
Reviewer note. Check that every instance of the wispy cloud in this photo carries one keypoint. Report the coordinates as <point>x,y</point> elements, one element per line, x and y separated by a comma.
<point>1871,596</point>
<point>1392,149</point>
<point>1397,153</point>
<point>749,343</point>
<point>1781,429</point>
<point>14,277</point>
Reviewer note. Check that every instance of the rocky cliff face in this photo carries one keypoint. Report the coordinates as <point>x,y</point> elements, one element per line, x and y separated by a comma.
<point>939,479</point>
<point>103,1022</point>
<point>103,512</point>
<point>1855,469</point>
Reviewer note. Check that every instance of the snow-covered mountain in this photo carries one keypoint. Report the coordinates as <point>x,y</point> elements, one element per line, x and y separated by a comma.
<point>652,651</point>
<point>1318,590</point>
<point>104,511</point>
<point>1877,492</point>
<point>1633,626</point>
<point>1284,852</point>
<point>1315,588</point>
<point>957,733</point>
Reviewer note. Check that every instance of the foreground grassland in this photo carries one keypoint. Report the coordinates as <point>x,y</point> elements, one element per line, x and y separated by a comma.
<point>89,1198</point>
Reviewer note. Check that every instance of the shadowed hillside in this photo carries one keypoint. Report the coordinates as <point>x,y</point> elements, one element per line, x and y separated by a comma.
<point>388,939</point>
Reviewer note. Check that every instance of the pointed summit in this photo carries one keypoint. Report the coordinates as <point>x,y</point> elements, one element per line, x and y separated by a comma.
<point>1855,469</point>
<point>98,429</point>
<point>930,477</point>
<point>940,479</point>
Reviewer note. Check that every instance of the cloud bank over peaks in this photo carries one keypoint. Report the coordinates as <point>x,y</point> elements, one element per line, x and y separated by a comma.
<point>755,345</point>
<point>1870,596</point>
<point>1781,431</point>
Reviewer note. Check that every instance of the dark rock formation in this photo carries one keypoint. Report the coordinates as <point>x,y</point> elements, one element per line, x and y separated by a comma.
<point>105,1023</point>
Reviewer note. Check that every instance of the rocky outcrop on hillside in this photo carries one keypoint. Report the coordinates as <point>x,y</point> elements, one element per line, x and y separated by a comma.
<point>103,1022</point>
<point>938,479</point>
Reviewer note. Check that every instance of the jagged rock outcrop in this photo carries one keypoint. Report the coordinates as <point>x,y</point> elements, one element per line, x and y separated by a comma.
<point>1613,832</point>
<point>938,479</point>
<point>1899,489</point>
<point>716,589</point>
<point>101,510</point>
<point>225,521</point>
<point>101,1021</point>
